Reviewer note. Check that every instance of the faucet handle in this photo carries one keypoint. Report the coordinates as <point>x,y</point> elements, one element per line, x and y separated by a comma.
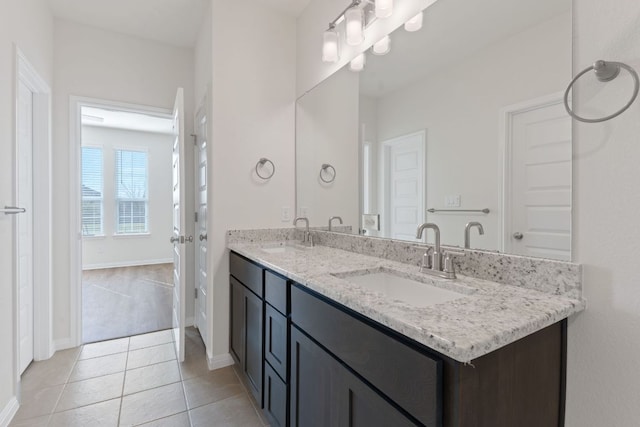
<point>449,266</point>
<point>426,257</point>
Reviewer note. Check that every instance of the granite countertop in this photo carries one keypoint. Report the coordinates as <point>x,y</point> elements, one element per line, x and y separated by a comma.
<point>487,315</point>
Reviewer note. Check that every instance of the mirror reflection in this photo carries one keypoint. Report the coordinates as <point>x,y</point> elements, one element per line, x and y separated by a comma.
<point>461,124</point>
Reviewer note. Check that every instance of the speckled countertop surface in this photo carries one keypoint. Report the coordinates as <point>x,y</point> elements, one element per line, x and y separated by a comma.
<point>487,315</point>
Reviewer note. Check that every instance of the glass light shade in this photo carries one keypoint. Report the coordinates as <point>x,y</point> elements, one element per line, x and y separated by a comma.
<point>384,8</point>
<point>414,24</point>
<point>357,63</point>
<point>330,43</point>
<point>382,46</point>
<point>354,18</point>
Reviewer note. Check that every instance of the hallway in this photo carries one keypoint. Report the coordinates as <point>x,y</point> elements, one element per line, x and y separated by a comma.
<point>134,381</point>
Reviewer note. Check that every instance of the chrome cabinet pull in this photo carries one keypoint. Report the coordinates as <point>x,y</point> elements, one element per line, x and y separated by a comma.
<point>517,235</point>
<point>12,210</point>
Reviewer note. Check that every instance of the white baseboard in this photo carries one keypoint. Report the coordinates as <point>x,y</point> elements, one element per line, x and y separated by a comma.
<point>127,264</point>
<point>9,411</point>
<point>219,361</point>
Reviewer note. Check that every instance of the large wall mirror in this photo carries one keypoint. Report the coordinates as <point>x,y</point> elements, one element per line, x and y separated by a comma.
<point>461,122</point>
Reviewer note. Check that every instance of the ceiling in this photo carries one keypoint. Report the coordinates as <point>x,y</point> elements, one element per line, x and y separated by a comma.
<point>448,36</point>
<point>100,117</point>
<point>174,22</point>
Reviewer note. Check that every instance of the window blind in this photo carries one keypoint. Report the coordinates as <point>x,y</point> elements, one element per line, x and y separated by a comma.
<point>92,190</point>
<point>132,189</point>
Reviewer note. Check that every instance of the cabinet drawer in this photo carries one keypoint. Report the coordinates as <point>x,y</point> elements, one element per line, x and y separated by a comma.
<point>246,272</point>
<point>275,340</point>
<point>275,398</point>
<point>406,376</point>
<point>275,291</point>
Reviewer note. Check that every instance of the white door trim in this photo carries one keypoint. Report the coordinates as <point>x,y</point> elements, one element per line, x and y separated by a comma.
<point>42,271</point>
<point>506,119</point>
<point>75,237</point>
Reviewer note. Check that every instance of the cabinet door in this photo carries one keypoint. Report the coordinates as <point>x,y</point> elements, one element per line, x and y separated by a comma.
<point>315,384</point>
<point>275,398</point>
<point>253,344</point>
<point>275,340</point>
<point>237,321</point>
<point>363,407</point>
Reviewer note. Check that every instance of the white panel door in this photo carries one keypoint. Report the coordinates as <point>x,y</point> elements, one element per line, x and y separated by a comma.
<point>24,223</point>
<point>201,244</point>
<point>179,226</point>
<point>405,194</point>
<point>540,184</point>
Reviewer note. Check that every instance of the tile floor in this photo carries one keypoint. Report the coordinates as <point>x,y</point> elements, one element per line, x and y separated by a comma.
<point>134,381</point>
<point>120,302</point>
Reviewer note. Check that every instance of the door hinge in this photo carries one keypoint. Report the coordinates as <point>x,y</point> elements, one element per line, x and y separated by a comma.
<point>195,216</point>
<point>196,294</point>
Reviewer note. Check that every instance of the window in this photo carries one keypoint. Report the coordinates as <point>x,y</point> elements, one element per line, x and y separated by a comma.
<point>92,180</point>
<point>132,189</point>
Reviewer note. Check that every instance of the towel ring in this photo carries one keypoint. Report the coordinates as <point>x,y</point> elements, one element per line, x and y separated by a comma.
<point>325,168</point>
<point>261,164</point>
<point>605,72</point>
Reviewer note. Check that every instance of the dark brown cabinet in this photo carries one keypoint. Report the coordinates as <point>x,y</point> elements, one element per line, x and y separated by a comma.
<point>310,361</point>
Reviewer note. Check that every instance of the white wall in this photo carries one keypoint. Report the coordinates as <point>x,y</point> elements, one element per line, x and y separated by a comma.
<point>603,386</point>
<point>100,64</point>
<point>603,381</point>
<point>112,250</point>
<point>327,132</point>
<point>28,24</point>
<point>253,108</point>
<point>460,106</point>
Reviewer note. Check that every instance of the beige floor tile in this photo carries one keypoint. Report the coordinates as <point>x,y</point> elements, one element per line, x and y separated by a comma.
<point>103,414</point>
<point>96,367</point>
<point>151,376</point>
<point>31,422</point>
<point>178,420</point>
<point>212,387</point>
<point>151,355</point>
<point>152,405</point>
<point>194,365</point>
<point>150,340</point>
<point>104,348</point>
<point>54,371</point>
<point>38,402</point>
<point>235,411</point>
<point>91,391</point>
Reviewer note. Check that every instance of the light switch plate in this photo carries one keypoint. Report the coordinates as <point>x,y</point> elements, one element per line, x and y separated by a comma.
<point>453,201</point>
<point>285,214</point>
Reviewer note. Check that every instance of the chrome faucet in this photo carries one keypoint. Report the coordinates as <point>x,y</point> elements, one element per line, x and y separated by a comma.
<point>434,264</point>
<point>467,232</point>
<point>332,218</point>
<point>307,239</point>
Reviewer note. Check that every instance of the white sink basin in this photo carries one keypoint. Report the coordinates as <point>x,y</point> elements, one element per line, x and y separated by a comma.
<point>394,286</point>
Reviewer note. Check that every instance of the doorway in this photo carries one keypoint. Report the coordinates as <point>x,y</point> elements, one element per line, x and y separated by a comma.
<point>125,213</point>
<point>32,217</point>
<point>537,179</point>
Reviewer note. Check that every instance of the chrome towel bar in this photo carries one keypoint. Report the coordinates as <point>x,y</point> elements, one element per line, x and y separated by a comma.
<point>484,211</point>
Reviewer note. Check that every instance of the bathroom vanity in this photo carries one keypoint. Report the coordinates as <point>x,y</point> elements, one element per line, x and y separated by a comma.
<point>316,347</point>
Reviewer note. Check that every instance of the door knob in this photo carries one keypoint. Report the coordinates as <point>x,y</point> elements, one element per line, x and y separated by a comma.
<point>203,237</point>
<point>175,240</point>
<point>189,239</point>
<point>517,235</point>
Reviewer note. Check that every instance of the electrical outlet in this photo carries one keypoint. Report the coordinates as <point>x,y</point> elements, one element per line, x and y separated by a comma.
<point>285,214</point>
<point>304,211</point>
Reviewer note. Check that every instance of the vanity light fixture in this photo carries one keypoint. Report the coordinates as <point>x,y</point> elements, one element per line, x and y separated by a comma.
<point>384,8</point>
<point>382,46</point>
<point>414,24</point>
<point>354,21</point>
<point>357,63</point>
<point>330,45</point>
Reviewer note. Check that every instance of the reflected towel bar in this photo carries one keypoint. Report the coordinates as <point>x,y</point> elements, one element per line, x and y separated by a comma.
<point>485,210</point>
